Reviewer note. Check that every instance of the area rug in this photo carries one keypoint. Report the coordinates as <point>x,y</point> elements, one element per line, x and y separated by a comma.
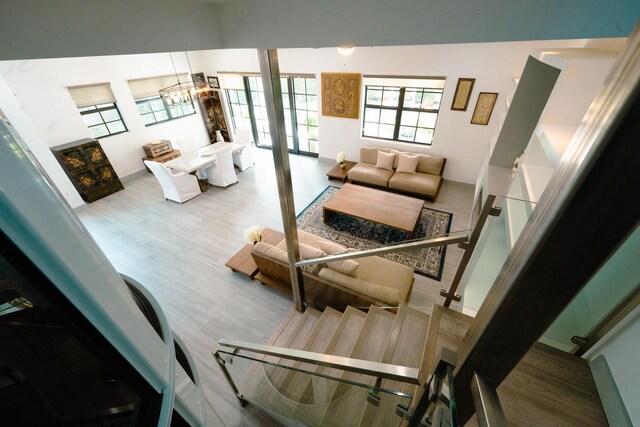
<point>361,234</point>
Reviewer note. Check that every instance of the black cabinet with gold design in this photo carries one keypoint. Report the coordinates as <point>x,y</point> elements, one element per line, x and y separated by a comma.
<point>88,168</point>
<point>213,114</point>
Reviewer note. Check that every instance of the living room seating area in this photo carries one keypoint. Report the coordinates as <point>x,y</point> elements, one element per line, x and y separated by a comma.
<point>412,173</point>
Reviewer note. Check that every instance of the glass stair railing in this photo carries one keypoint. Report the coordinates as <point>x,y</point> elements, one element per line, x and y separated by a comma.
<point>499,234</point>
<point>298,387</point>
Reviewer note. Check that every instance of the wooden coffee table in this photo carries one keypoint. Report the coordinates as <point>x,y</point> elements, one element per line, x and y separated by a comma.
<point>390,209</point>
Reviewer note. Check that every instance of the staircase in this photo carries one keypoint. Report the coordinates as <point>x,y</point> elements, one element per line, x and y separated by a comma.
<point>295,392</point>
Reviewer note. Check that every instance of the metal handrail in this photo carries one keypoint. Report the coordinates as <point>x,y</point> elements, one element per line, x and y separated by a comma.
<point>457,237</point>
<point>387,371</point>
<point>486,402</point>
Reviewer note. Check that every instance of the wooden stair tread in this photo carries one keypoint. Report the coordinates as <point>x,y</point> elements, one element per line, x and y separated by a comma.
<point>295,383</point>
<point>348,402</point>
<point>318,391</point>
<point>405,348</point>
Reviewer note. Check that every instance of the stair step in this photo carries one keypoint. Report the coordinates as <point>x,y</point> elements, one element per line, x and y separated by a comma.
<point>447,328</point>
<point>267,377</point>
<point>348,402</point>
<point>406,348</point>
<point>319,390</point>
<point>295,383</point>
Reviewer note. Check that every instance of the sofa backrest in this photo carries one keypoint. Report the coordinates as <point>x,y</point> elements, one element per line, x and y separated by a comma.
<point>370,154</point>
<point>432,165</point>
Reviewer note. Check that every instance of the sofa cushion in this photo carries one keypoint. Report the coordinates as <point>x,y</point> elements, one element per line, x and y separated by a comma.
<point>429,164</point>
<point>370,154</point>
<point>347,266</point>
<point>385,294</point>
<point>385,160</point>
<point>369,174</point>
<point>407,163</point>
<point>417,183</point>
<point>280,255</point>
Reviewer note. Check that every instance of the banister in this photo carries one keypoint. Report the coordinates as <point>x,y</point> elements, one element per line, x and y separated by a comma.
<point>387,371</point>
<point>456,237</point>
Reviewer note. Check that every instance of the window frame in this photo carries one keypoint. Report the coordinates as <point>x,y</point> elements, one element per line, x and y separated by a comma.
<point>399,109</point>
<point>290,90</point>
<point>91,109</point>
<point>166,108</point>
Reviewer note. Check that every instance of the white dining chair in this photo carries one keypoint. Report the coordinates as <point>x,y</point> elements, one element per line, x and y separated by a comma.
<point>178,187</point>
<point>222,174</point>
<point>187,145</point>
<point>243,157</point>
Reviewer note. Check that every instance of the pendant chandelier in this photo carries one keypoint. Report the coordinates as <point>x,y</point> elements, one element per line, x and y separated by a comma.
<point>184,92</point>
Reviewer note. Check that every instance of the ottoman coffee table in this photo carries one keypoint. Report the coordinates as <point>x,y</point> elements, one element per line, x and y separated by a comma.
<point>389,209</point>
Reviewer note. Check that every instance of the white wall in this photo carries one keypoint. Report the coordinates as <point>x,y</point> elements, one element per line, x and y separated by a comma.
<point>621,348</point>
<point>25,127</point>
<point>493,65</point>
<point>41,87</point>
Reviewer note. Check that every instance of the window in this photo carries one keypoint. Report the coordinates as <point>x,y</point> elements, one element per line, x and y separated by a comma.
<point>150,105</point>
<point>299,95</point>
<point>98,109</point>
<point>154,110</point>
<point>402,109</point>
<point>103,120</point>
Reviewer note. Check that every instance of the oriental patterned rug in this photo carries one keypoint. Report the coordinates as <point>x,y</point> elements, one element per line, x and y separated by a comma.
<point>361,234</point>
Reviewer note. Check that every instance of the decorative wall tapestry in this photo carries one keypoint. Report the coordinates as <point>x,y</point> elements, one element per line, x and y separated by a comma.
<point>341,95</point>
<point>484,108</point>
<point>462,95</point>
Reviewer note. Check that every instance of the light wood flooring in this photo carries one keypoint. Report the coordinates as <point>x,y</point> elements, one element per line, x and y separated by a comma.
<point>178,252</point>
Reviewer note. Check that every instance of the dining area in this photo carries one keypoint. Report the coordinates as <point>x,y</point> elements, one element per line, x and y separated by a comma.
<point>197,168</point>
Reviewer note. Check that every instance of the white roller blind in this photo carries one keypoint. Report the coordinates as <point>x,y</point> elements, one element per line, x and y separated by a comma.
<point>86,95</point>
<point>421,82</point>
<point>150,86</point>
<point>231,81</point>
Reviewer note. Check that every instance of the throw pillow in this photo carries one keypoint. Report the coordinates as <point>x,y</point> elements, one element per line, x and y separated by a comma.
<point>407,163</point>
<point>347,266</point>
<point>308,252</point>
<point>385,160</point>
<point>331,248</point>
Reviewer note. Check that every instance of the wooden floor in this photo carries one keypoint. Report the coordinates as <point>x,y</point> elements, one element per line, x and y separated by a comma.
<point>178,252</point>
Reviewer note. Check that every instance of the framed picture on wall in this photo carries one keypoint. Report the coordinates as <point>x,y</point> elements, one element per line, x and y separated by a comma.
<point>484,108</point>
<point>198,79</point>
<point>462,95</point>
<point>213,82</point>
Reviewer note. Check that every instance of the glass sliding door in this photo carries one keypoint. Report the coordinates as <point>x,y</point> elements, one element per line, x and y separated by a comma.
<point>300,102</point>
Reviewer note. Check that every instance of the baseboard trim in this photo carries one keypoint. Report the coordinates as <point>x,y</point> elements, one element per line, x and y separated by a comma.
<point>132,176</point>
<point>460,184</point>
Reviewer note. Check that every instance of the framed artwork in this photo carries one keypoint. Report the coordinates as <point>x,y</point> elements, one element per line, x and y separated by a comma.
<point>213,82</point>
<point>484,108</point>
<point>198,79</point>
<point>341,95</point>
<point>462,95</point>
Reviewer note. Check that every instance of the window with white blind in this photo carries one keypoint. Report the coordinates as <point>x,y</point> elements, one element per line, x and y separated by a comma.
<point>151,106</point>
<point>402,109</point>
<point>98,108</point>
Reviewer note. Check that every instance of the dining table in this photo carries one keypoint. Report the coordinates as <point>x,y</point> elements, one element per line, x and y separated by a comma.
<point>201,159</point>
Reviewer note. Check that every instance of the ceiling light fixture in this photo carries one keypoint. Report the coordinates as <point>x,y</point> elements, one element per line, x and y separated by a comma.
<point>346,50</point>
<point>184,92</point>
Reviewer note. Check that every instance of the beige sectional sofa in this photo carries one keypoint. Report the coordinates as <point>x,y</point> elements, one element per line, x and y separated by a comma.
<point>376,280</point>
<point>425,182</point>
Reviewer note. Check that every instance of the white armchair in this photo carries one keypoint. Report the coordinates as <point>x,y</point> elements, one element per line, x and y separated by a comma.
<point>222,174</point>
<point>187,145</point>
<point>179,187</point>
<point>243,158</point>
